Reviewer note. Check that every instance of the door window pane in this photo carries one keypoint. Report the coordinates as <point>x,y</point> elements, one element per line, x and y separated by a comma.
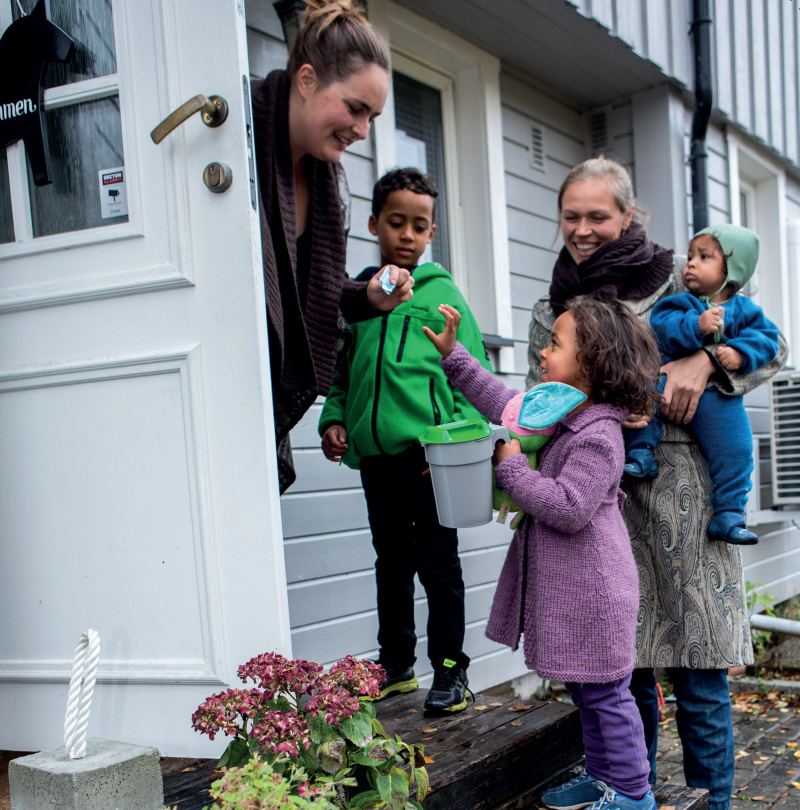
<point>84,138</point>
<point>6,217</point>
<point>420,143</point>
<point>90,23</point>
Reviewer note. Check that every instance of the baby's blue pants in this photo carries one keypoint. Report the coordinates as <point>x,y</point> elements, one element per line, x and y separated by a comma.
<point>723,431</point>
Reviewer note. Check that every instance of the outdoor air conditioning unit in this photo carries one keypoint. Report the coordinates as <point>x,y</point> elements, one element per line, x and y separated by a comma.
<point>785,438</point>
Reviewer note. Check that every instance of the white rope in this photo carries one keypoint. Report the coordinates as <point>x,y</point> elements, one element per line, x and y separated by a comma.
<point>21,10</point>
<point>79,701</point>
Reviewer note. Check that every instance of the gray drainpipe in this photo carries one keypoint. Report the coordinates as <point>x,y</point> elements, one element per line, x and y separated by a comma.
<point>763,622</point>
<point>703,95</point>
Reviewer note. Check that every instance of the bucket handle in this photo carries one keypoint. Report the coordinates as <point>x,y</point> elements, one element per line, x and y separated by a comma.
<point>501,434</point>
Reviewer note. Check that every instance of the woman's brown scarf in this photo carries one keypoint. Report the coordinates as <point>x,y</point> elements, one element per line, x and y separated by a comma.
<point>626,268</point>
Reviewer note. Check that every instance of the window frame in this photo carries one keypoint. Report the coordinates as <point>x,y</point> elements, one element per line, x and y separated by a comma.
<point>479,249</point>
<point>405,64</point>
<point>749,169</point>
<point>94,89</point>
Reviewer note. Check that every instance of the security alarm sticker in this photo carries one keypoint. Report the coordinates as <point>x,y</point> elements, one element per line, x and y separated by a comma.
<point>113,197</point>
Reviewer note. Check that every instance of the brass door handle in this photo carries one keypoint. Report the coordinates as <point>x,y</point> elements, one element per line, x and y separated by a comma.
<point>213,108</point>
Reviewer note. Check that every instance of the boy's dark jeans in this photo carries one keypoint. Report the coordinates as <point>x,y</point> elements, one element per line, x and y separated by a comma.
<point>408,539</point>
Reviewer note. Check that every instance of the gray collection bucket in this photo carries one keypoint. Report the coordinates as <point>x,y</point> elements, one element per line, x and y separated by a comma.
<point>459,455</point>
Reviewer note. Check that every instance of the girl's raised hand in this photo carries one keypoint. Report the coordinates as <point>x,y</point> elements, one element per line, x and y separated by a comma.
<point>446,342</point>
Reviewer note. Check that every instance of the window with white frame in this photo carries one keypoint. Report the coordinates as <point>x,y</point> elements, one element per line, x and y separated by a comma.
<point>83,122</point>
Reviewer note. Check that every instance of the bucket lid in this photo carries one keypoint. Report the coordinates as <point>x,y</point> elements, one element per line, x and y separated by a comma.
<point>465,430</point>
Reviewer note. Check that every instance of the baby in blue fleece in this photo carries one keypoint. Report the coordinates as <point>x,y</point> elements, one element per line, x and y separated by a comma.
<point>722,259</point>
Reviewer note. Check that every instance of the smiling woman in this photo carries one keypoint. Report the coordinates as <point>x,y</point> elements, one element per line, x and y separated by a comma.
<point>304,118</point>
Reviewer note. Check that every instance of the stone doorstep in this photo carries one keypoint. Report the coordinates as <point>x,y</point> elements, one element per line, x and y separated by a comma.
<point>112,776</point>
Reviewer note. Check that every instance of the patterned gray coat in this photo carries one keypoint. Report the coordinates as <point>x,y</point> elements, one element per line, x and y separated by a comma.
<point>692,610</point>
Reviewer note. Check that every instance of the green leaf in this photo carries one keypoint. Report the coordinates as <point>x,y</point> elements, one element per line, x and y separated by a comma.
<point>414,804</point>
<point>225,758</point>
<point>360,758</point>
<point>238,753</point>
<point>315,727</point>
<point>309,759</point>
<point>330,755</point>
<point>377,728</point>
<point>281,704</point>
<point>368,707</point>
<point>369,798</point>
<point>393,788</point>
<point>423,783</point>
<point>357,729</point>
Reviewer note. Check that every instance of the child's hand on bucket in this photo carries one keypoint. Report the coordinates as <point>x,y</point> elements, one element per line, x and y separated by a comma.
<point>502,450</point>
<point>446,342</point>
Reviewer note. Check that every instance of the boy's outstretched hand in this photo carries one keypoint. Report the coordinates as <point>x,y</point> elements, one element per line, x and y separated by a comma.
<point>334,442</point>
<point>446,342</point>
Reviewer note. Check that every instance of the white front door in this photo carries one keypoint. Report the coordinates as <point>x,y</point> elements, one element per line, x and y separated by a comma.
<point>138,483</point>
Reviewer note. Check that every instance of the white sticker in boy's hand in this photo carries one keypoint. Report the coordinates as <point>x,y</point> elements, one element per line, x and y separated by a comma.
<point>386,283</point>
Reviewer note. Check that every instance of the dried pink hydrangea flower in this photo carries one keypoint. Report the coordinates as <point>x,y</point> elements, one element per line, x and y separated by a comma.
<point>282,733</point>
<point>225,710</point>
<point>275,673</point>
<point>334,703</point>
<point>357,676</point>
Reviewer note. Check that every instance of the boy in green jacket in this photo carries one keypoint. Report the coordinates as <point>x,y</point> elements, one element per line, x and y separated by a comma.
<point>387,391</point>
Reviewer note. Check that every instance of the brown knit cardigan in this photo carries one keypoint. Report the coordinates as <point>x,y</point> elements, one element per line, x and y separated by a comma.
<point>302,336</point>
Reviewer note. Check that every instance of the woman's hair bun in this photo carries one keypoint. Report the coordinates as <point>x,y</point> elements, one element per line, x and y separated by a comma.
<point>328,11</point>
<point>336,40</point>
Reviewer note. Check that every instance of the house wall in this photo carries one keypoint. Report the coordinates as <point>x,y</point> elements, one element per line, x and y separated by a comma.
<point>532,198</point>
<point>756,57</point>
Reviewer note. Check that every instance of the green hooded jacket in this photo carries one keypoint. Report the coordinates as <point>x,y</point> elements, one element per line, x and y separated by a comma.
<point>390,386</point>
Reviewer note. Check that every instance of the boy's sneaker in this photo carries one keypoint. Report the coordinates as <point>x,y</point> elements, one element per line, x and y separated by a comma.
<point>579,792</point>
<point>398,681</point>
<point>449,691</point>
<point>641,463</point>
<point>611,800</point>
<point>730,527</point>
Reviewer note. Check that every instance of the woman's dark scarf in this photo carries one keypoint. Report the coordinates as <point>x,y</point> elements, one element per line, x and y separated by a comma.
<point>626,268</point>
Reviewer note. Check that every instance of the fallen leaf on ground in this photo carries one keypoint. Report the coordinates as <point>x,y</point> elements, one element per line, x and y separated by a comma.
<point>496,703</point>
<point>430,729</point>
<point>744,753</point>
<point>520,707</point>
<point>429,761</point>
<point>758,798</point>
<point>772,695</point>
<point>481,708</point>
<point>791,745</point>
<point>186,770</point>
<point>411,711</point>
<point>669,807</point>
<point>772,719</point>
<point>425,739</point>
<point>792,771</point>
<point>516,722</point>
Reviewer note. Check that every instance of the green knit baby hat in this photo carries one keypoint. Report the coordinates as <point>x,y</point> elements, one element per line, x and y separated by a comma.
<point>740,246</point>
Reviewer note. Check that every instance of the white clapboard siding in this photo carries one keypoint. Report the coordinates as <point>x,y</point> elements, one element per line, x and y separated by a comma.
<point>755,48</point>
<point>792,198</point>
<point>532,197</point>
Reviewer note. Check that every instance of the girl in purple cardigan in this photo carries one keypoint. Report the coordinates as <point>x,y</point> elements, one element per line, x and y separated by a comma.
<point>569,583</point>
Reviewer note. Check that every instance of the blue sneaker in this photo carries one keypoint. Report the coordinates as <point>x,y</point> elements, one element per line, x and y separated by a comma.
<point>612,800</point>
<point>579,792</point>
<point>730,527</point>
<point>641,463</point>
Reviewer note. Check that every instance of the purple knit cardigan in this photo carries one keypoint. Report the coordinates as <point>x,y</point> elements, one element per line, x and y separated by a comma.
<point>569,582</point>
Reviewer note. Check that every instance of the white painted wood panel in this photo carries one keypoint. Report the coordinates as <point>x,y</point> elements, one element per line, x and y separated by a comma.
<point>537,263</point>
<point>360,172</point>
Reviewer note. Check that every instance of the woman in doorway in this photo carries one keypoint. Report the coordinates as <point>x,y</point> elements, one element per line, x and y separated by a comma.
<point>692,613</point>
<point>335,84</point>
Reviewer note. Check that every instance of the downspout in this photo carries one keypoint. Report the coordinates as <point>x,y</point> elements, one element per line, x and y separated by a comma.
<point>703,95</point>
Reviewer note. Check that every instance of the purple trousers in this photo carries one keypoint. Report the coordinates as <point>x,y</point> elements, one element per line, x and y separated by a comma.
<point>613,735</point>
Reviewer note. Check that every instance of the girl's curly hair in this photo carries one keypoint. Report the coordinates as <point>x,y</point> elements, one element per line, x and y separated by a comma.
<point>617,353</point>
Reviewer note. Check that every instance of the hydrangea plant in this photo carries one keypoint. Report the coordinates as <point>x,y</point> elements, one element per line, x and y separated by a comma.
<point>326,722</point>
